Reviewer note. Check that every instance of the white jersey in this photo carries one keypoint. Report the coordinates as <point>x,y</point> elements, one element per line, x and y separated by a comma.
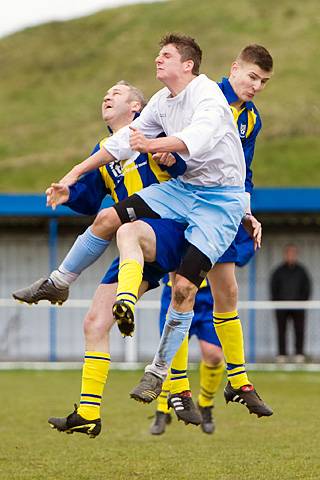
<point>200,116</point>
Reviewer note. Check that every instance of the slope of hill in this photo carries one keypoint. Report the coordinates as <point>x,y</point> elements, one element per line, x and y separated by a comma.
<point>54,76</point>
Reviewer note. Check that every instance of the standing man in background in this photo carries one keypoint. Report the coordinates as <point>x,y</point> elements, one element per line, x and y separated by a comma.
<point>290,281</point>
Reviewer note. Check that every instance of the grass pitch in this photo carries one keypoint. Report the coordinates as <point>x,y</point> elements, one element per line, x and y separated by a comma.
<point>285,446</point>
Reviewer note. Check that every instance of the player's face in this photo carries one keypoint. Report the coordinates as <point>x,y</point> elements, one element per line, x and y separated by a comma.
<point>248,79</point>
<point>116,103</point>
<point>168,64</point>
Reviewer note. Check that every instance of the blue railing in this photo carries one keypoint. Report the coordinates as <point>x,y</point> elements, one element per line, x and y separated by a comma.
<point>273,200</point>
<point>264,200</point>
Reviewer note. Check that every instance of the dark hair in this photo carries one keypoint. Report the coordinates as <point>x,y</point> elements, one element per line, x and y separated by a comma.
<point>186,46</point>
<point>258,55</point>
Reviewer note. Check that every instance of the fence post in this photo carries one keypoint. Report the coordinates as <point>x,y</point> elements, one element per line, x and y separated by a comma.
<point>53,243</point>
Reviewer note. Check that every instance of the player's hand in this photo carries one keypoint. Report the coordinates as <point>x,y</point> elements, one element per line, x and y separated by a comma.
<point>138,142</point>
<point>166,159</point>
<point>254,229</point>
<point>57,194</point>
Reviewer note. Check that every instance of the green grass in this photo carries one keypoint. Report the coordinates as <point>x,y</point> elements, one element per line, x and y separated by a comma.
<point>54,76</point>
<point>285,446</point>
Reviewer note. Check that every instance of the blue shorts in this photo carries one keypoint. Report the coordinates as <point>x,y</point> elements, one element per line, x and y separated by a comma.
<point>170,247</point>
<point>202,322</point>
<point>241,249</point>
<point>213,214</point>
<point>240,252</point>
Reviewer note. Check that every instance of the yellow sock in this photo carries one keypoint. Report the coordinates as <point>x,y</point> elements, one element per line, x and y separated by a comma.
<point>94,376</point>
<point>163,397</point>
<point>129,281</point>
<point>210,379</point>
<point>178,371</point>
<point>229,331</point>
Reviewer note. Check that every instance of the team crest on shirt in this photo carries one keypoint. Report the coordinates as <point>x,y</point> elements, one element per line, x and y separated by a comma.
<point>242,129</point>
<point>116,168</point>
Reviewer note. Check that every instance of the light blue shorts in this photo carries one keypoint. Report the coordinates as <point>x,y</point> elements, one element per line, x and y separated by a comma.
<point>213,214</point>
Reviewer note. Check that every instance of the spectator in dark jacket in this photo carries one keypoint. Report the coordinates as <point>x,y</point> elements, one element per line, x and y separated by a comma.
<point>290,281</point>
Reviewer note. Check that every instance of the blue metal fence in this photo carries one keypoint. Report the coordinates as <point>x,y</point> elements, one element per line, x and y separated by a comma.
<point>264,200</point>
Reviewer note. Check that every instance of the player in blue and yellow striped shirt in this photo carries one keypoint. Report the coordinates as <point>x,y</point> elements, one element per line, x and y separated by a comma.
<point>118,179</point>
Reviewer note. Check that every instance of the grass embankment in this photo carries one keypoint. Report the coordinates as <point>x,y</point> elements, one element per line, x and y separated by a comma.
<point>53,78</point>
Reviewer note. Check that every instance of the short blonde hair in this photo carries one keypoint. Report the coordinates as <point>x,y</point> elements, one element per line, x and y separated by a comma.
<point>135,93</point>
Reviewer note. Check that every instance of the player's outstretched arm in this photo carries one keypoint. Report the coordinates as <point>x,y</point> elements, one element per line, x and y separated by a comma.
<point>59,193</point>
<point>100,158</point>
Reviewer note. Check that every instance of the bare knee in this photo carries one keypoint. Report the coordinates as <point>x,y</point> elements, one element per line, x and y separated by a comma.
<point>211,354</point>
<point>229,290</point>
<point>137,235</point>
<point>96,326</point>
<point>226,294</point>
<point>224,286</point>
<point>126,233</point>
<point>183,292</point>
<point>106,223</point>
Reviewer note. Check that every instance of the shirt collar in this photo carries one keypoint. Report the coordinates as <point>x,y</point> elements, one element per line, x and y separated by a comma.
<point>228,91</point>
<point>231,95</point>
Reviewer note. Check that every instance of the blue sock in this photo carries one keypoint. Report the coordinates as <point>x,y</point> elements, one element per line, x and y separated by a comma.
<point>84,252</point>
<point>176,328</point>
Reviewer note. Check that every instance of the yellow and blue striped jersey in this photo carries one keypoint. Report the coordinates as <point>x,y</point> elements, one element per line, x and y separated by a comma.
<point>119,179</point>
<point>249,125</point>
<point>126,177</point>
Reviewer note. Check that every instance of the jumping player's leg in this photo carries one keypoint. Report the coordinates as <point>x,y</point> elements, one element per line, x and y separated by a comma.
<point>137,243</point>
<point>147,240</point>
<point>97,326</point>
<point>212,368</point>
<point>87,248</point>
<point>229,330</point>
<point>226,321</point>
<point>180,314</point>
<point>90,246</point>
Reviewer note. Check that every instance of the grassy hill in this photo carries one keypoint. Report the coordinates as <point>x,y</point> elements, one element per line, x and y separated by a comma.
<point>54,76</point>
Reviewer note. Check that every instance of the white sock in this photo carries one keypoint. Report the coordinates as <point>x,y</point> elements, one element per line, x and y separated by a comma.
<point>61,278</point>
